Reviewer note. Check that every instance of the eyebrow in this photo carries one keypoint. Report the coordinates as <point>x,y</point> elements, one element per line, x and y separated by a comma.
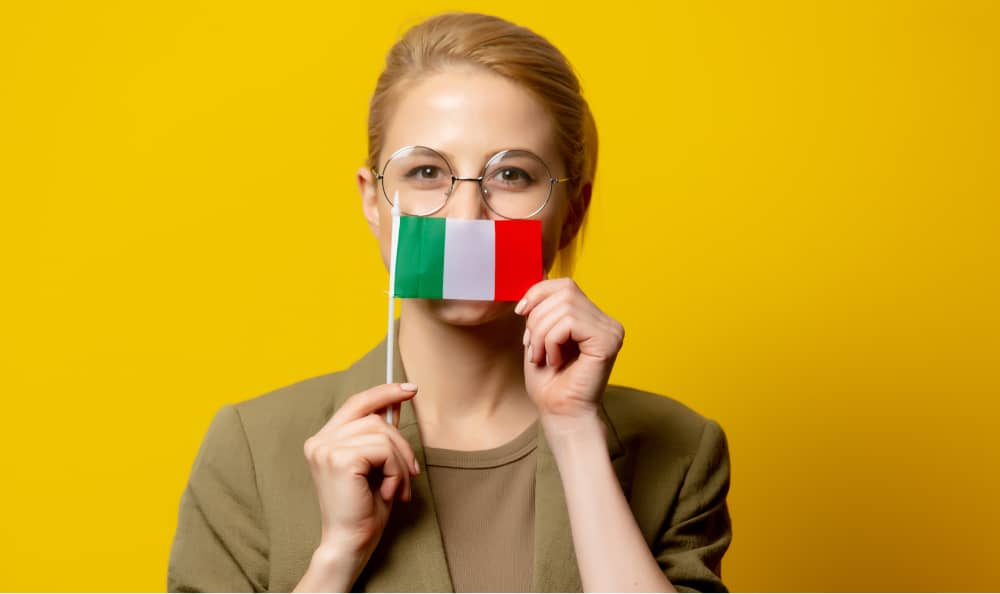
<point>489,154</point>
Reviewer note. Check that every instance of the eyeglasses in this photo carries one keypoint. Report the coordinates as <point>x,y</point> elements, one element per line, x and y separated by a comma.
<point>514,184</point>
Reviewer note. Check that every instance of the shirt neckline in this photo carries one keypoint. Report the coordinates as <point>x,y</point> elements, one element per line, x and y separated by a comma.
<point>513,450</point>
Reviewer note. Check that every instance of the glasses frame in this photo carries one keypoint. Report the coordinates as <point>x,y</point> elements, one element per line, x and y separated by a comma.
<point>553,181</point>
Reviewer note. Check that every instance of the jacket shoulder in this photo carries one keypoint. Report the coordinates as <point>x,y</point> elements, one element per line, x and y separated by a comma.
<point>648,419</point>
<point>287,416</point>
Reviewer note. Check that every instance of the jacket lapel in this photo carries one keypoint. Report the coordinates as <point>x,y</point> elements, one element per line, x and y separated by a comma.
<point>410,555</point>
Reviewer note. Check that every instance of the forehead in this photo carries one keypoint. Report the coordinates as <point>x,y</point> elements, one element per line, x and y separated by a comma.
<point>469,114</point>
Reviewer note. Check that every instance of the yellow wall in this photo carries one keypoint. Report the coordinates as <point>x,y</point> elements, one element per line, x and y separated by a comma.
<point>796,221</point>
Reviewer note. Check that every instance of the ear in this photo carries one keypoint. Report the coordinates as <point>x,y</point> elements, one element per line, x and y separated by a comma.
<point>368,186</point>
<point>575,214</point>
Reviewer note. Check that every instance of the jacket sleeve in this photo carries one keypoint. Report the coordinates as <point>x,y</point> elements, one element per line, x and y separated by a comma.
<point>221,543</point>
<point>691,546</point>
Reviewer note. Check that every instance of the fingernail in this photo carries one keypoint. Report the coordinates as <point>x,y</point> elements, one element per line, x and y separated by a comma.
<point>547,360</point>
<point>408,387</point>
<point>416,466</point>
<point>520,306</point>
<point>530,358</point>
<point>527,335</point>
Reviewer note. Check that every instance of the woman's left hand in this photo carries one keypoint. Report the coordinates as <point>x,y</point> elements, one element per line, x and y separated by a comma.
<point>570,348</point>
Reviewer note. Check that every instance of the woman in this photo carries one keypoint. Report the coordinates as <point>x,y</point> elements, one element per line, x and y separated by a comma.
<point>544,477</point>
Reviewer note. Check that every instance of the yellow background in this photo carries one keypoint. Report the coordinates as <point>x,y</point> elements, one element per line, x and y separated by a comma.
<point>796,221</point>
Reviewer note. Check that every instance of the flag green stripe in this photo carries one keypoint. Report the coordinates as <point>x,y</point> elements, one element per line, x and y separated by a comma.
<point>420,257</point>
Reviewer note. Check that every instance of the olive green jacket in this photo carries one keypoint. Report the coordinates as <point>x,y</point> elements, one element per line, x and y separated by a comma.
<point>249,518</point>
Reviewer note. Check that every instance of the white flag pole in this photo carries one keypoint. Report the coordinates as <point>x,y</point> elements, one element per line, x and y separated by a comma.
<point>390,338</point>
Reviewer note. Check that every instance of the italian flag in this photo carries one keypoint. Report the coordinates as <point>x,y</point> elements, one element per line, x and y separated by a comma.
<point>441,258</point>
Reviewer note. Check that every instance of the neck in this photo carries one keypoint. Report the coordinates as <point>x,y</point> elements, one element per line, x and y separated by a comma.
<point>468,376</point>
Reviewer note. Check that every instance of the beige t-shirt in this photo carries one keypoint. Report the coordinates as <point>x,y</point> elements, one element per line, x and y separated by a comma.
<point>485,504</point>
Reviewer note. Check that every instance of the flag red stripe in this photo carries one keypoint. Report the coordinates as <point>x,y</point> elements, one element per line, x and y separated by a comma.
<point>518,258</point>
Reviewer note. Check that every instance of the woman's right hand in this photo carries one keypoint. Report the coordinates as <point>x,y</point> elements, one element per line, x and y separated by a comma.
<point>347,457</point>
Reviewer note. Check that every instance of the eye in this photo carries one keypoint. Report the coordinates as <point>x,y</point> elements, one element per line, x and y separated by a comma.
<point>425,173</point>
<point>514,176</point>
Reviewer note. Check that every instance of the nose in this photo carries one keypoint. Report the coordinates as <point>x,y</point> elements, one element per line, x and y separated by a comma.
<point>466,201</point>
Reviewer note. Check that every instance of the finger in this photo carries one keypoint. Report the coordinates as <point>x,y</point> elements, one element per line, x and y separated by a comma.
<point>543,307</point>
<point>369,401</point>
<point>376,425</point>
<point>383,413</point>
<point>564,328</point>
<point>397,479</point>
<point>395,472</point>
<point>388,456</point>
<point>541,310</point>
<point>540,291</point>
<point>557,336</point>
<point>389,485</point>
<point>379,453</point>
<point>540,326</point>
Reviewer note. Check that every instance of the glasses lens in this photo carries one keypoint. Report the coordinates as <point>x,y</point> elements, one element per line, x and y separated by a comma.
<point>422,178</point>
<point>516,184</point>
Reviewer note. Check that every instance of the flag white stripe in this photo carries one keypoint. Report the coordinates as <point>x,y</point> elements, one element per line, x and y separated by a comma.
<point>469,259</point>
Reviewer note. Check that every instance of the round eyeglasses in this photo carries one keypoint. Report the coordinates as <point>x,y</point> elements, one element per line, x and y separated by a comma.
<point>514,184</point>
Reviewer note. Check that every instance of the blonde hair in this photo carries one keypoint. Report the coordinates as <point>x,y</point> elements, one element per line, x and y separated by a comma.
<point>512,51</point>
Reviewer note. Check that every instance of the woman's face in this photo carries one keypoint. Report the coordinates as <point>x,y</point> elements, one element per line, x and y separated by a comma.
<point>468,114</point>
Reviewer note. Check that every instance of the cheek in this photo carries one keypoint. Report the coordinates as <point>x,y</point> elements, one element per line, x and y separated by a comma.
<point>550,243</point>
<point>552,227</point>
<point>384,234</point>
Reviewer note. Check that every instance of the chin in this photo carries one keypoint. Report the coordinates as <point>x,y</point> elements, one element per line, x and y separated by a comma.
<point>461,312</point>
